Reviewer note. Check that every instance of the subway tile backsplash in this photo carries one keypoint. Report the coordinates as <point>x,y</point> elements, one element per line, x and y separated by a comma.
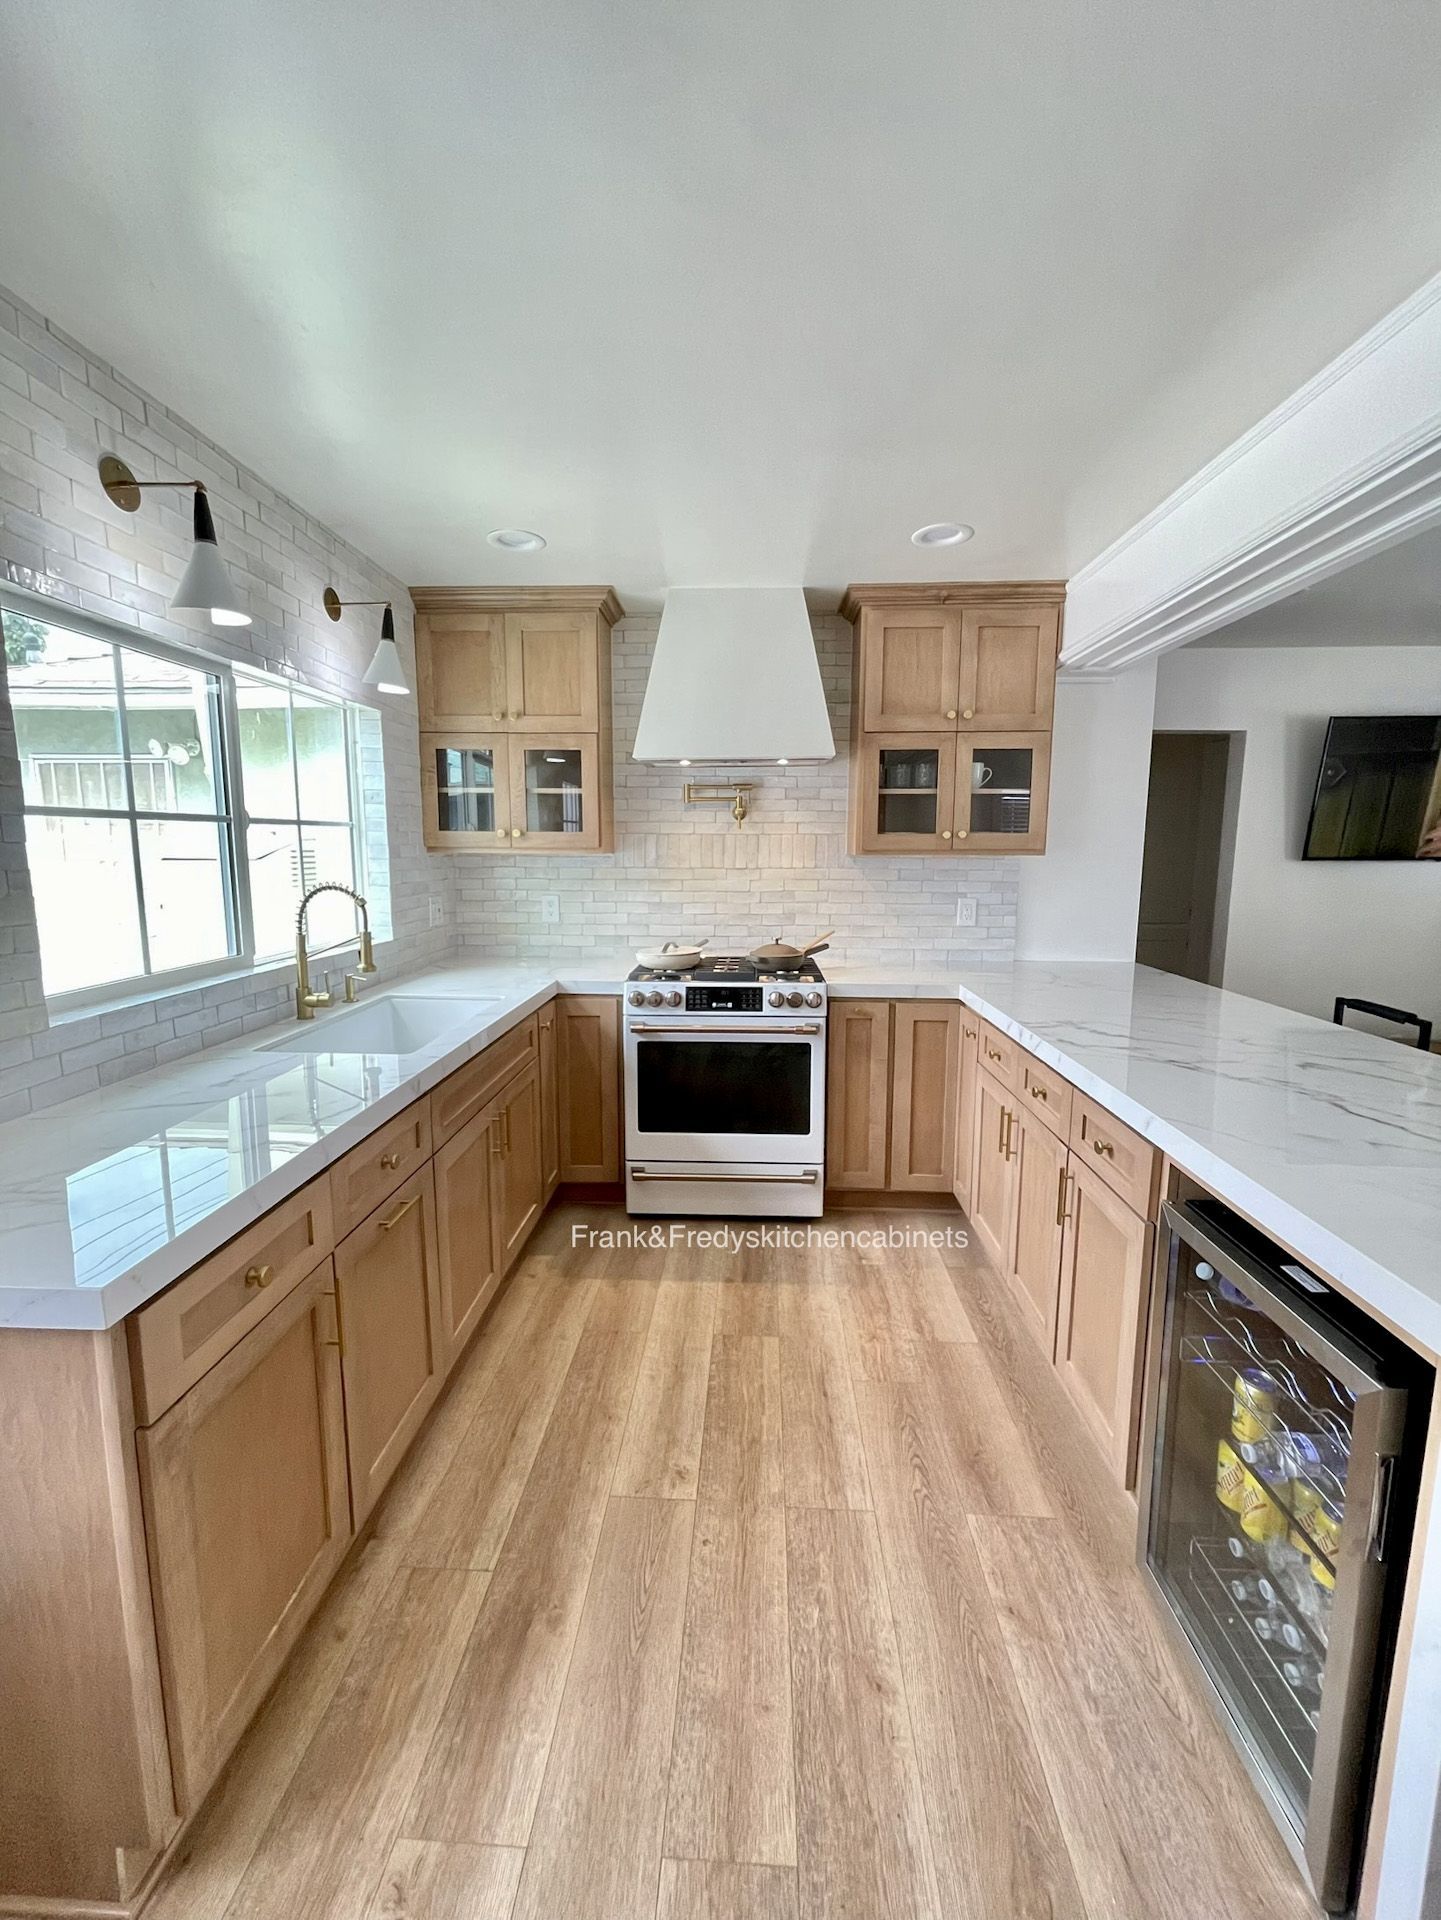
<point>691,870</point>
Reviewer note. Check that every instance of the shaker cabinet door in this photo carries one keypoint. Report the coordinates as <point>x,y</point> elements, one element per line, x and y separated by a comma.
<point>460,671</point>
<point>923,1096</point>
<point>588,1087</point>
<point>907,800</point>
<point>1001,791</point>
<point>552,673</point>
<point>1008,667</point>
<point>465,792</point>
<point>993,1188</point>
<point>555,793</point>
<point>465,1229</point>
<point>858,1083</point>
<point>910,669</point>
<point>1034,1270</point>
<point>520,1183</point>
<point>1101,1334</point>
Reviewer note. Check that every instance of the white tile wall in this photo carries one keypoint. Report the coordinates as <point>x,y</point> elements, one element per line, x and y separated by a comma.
<point>60,408</point>
<point>680,869</point>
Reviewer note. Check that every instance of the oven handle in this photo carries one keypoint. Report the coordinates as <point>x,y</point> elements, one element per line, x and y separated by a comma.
<point>678,1026</point>
<point>806,1179</point>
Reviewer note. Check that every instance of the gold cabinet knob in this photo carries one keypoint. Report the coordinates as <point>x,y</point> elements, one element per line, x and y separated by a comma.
<point>501,834</point>
<point>390,1161</point>
<point>969,714</point>
<point>950,713</point>
<point>1105,1147</point>
<point>515,833</point>
<point>945,833</point>
<point>259,1276</point>
<point>961,832</point>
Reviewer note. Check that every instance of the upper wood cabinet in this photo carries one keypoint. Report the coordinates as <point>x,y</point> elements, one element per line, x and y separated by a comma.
<point>515,719</point>
<point>953,697</point>
<point>246,1518</point>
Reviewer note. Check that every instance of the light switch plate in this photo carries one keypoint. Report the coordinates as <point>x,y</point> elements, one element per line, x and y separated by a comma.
<point>437,911</point>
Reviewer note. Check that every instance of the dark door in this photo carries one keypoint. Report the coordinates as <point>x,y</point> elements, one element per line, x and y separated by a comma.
<point>1180,869</point>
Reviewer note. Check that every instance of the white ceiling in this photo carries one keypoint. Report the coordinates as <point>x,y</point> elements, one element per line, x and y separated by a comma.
<point>725,292</point>
<point>1391,600</point>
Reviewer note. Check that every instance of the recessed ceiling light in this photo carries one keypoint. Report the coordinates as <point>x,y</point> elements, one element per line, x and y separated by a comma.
<point>941,533</point>
<point>516,539</point>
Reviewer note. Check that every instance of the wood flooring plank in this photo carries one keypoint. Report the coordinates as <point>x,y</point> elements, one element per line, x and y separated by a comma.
<point>953,1408</point>
<point>425,1881</point>
<point>862,1843</point>
<point>824,1459</point>
<point>720,1890</point>
<point>732,1779</point>
<point>482,1775</point>
<point>470,1510</point>
<point>323,1852</point>
<point>622,1305</point>
<point>660,1454</point>
<point>995,1836</point>
<point>200,1881</point>
<point>741,1464</point>
<point>1175,1832</point>
<point>596,1841</point>
<point>900,1301</point>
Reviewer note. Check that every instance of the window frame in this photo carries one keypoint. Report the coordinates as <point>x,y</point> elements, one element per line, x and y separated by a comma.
<point>232,817</point>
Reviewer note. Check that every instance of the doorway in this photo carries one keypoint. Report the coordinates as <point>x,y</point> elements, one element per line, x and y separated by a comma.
<point>1186,866</point>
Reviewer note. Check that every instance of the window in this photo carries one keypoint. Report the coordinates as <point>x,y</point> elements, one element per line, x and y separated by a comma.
<point>174,807</point>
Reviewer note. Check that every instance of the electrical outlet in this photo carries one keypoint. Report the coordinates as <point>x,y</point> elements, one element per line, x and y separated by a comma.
<point>965,911</point>
<point>437,911</point>
<point>550,909</point>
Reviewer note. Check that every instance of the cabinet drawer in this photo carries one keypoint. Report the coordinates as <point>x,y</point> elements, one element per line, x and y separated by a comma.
<point>462,1096</point>
<point>1000,1056</point>
<point>180,1336</point>
<point>1129,1165</point>
<point>1045,1094</point>
<point>372,1171</point>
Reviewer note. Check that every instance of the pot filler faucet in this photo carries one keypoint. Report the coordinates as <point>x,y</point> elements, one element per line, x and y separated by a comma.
<point>306,999</point>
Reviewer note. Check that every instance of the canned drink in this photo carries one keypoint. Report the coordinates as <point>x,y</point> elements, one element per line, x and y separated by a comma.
<point>1230,1475</point>
<point>1253,1404</point>
<point>1326,1535</point>
<point>1311,1459</point>
<point>1261,1519</point>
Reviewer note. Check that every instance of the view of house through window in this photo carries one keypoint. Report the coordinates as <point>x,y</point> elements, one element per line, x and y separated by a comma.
<point>174,807</point>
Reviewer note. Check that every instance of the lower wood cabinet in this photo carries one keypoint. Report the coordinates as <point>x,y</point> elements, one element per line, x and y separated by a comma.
<point>1101,1329</point>
<point>967,1068</point>
<point>393,1345</point>
<point>1038,1169</point>
<point>519,1183</point>
<point>588,1086</point>
<point>993,1181</point>
<point>890,1101</point>
<point>858,1093</point>
<point>549,1108</point>
<point>247,1518</point>
<point>923,1073</point>
<point>470,1269</point>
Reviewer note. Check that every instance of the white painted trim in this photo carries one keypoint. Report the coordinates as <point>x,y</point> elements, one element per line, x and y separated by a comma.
<point>1347,465</point>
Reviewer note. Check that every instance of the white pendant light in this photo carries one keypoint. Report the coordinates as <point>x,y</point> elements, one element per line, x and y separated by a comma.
<point>386,672</point>
<point>205,583</point>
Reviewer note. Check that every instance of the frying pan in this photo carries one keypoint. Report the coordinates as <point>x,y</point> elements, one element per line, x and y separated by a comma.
<point>777,952</point>
<point>675,955</point>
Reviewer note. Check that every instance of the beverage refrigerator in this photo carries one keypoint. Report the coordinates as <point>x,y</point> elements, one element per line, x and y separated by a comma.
<point>1277,1498</point>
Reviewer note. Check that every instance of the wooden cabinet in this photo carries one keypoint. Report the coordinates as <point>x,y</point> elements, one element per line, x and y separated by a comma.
<point>1038,1171</point>
<point>393,1346</point>
<point>588,1087</point>
<point>967,1068</point>
<point>923,1073</point>
<point>1101,1331</point>
<point>549,1111</point>
<point>519,1182</point>
<point>465,1228</point>
<point>515,719</point>
<point>858,1093</point>
<point>993,1183</point>
<point>954,696</point>
<point>471,1088</point>
<point>372,1171</point>
<point>246,1515</point>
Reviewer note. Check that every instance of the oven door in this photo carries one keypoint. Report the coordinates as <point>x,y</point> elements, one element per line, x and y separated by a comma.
<point>726,1091</point>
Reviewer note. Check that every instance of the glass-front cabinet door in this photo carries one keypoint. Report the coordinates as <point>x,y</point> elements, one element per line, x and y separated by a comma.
<point>465,791</point>
<point>908,793</point>
<point>555,793</point>
<point>1002,780</point>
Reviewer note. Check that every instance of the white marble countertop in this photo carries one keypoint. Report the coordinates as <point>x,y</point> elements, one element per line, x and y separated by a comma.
<point>1329,1138</point>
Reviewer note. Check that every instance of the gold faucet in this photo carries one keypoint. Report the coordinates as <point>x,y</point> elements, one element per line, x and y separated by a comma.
<point>306,999</point>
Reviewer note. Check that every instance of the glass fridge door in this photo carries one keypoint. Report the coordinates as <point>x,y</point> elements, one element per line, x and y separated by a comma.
<point>1273,1447</point>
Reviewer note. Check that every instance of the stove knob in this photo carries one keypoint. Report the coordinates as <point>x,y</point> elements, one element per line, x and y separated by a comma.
<point>675,999</point>
<point>795,999</point>
<point>813,999</point>
<point>776,999</point>
<point>655,999</point>
<point>637,999</point>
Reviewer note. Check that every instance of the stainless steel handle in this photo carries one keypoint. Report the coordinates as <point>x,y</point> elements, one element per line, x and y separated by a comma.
<point>806,1179</point>
<point>680,1026</point>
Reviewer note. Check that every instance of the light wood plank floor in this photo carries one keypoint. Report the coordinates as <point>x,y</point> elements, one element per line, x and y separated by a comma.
<point>765,1587</point>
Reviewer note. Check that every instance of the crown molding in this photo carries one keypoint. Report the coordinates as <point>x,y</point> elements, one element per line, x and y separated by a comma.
<point>1347,466</point>
<point>598,600</point>
<point>950,593</point>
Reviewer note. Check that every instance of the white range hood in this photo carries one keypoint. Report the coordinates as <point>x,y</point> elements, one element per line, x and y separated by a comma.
<point>734,682</point>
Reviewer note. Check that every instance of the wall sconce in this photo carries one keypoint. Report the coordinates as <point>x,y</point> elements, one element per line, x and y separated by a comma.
<point>205,582</point>
<point>385,672</point>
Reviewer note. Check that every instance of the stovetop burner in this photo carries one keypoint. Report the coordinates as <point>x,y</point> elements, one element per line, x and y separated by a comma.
<point>730,967</point>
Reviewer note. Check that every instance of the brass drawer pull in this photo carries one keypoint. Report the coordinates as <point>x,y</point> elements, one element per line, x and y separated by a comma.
<point>1038,1092</point>
<point>390,1161</point>
<point>1105,1147</point>
<point>991,1052</point>
<point>260,1275</point>
<point>1061,1214</point>
<point>400,1213</point>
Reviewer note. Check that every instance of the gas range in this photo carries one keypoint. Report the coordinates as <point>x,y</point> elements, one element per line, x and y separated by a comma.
<point>727,984</point>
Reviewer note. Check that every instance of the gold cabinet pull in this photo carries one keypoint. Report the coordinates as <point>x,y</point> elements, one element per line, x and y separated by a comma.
<point>1010,1133</point>
<point>968,713</point>
<point>1038,1092</point>
<point>946,834</point>
<point>1001,1142</point>
<point>991,1053</point>
<point>390,1161</point>
<point>950,713</point>
<point>515,833</point>
<point>339,1324</point>
<point>1062,1211</point>
<point>1105,1147</point>
<point>505,1116</point>
<point>259,1275</point>
<point>400,1213</point>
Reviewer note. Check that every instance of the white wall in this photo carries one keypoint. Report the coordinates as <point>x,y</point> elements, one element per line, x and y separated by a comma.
<point>1302,932</point>
<point>1080,901</point>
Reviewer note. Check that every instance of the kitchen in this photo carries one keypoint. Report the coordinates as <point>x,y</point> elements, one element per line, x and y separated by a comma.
<point>617,1295</point>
